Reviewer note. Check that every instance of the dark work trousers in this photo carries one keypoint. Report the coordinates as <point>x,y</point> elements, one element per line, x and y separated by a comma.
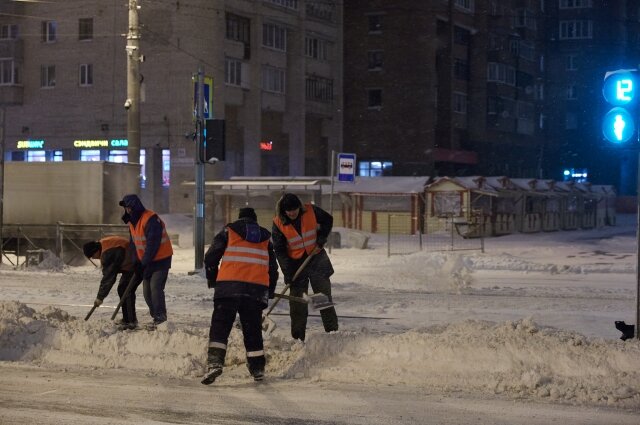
<point>129,304</point>
<point>299,311</point>
<point>224,314</point>
<point>153,290</point>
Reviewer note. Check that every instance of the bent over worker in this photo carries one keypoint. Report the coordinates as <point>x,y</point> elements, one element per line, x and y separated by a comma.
<point>116,256</point>
<point>153,254</point>
<point>298,232</point>
<point>244,283</point>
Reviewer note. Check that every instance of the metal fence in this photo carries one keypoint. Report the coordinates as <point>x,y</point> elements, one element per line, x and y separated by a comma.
<point>24,243</point>
<point>455,236</point>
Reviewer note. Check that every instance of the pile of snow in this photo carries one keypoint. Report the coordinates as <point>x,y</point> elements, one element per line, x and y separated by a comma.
<point>516,359</point>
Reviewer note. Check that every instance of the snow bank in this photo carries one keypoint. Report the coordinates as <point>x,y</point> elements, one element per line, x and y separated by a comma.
<point>516,359</point>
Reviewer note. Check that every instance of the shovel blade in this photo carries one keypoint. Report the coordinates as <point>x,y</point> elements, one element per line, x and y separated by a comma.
<point>319,301</point>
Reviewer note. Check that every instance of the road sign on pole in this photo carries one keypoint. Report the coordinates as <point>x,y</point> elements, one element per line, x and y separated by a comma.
<point>207,107</point>
<point>346,167</point>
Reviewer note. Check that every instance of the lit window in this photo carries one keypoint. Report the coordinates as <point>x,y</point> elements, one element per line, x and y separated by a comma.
<point>90,155</point>
<point>166,167</point>
<point>143,169</point>
<point>57,156</point>
<point>374,168</point>
<point>119,156</point>
<point>36,156</point>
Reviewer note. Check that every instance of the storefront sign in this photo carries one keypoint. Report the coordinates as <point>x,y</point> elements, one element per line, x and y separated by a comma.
<point>91,143</point>
<point>30,144</point>
<point>119,143</point>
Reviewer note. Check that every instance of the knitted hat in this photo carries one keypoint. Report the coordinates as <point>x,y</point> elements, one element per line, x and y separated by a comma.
<point>248,212</point>
<point>90,248</point>
<point>290,202</point>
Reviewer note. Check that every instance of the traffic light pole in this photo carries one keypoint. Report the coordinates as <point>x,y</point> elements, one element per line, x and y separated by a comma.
<point>198,227</point>
<point>638,252</point>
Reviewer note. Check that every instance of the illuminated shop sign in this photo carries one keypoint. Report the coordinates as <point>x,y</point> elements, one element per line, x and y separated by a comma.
<point>30,144</point>
<point>114,143</point>
<point>91,143</point>
<point>119,143</point>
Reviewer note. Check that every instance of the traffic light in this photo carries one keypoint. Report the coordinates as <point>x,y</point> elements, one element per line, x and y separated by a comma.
<point>214,141</point>
<point>620,89</point>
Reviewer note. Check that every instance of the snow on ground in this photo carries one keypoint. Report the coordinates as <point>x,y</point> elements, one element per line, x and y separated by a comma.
<point>531,318</point>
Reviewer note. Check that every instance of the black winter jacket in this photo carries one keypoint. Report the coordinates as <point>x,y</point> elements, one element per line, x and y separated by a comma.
<point>250,231</point>
<point>112,261</point>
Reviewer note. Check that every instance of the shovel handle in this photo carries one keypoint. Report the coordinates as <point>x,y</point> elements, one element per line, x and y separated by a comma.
<point>276,301</point>
<point>90,312</point>
<point>125,294</point>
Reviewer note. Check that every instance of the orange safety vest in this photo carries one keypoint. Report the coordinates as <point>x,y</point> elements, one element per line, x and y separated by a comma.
<point>140,241</point>
<point>297,244</point>
<point>244,261</point>
<point>110,242</point>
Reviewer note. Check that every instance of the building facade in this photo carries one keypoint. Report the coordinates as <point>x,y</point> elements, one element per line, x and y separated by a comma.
<point>513,87</point>
<point>273,65</point>
<point>425,97</point>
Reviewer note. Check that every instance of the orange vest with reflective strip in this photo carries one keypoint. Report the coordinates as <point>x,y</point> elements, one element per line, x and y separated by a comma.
<point>298,244</point>
<point>140,241</point>
<point>244,261</point>
<point>111,242</point>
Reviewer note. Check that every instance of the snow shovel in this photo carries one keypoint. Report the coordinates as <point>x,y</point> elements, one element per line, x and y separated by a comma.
<point>316,301</point>
<point>270,325</point>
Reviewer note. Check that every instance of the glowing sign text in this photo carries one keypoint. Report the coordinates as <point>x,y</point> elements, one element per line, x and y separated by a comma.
<point>91,143</point>
<point>119,142</point>
<point>30,144</point>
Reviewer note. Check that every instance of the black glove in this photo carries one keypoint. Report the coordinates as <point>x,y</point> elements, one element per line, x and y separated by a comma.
<point>97,302</point>
<point>211,283</point>
<point>147,273</point>
<point>272,294</point>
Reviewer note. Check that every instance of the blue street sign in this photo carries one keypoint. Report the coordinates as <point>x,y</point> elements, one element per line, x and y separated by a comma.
<point>346,167</point>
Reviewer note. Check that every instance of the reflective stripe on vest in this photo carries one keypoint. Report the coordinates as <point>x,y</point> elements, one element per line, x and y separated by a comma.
<point>244,261</point>
<point>297,243</point>
<point>111,242</point>
<point>140,241</point>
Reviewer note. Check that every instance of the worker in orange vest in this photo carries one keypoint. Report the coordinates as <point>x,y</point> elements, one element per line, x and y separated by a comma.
<point>241,266</point>
<point>300,231</point>
<point>153,255</point>
<point>116,256</point>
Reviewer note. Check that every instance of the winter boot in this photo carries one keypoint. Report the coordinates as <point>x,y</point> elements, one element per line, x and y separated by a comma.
<point>256,367</point>
<point>215,362</point>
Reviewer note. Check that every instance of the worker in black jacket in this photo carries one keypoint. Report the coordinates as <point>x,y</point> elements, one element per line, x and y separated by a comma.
<point>116,256</point>
<point>298,232</point>
<point>244,282</point>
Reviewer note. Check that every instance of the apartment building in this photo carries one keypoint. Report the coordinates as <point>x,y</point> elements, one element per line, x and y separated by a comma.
<point>274,68</point>
<point>428,97</point>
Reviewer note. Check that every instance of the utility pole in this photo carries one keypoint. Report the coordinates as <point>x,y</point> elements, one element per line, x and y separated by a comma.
<point>132,104</point>
<point>2,124</point>
<point>198,228</point>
